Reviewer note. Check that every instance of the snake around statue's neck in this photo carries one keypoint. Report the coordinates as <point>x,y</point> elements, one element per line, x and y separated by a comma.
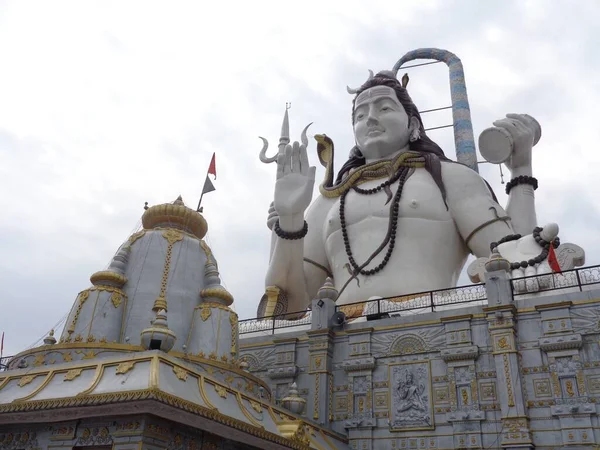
<point>368,172</point>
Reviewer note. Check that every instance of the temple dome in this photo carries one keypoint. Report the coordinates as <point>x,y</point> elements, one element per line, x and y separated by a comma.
<point>164,268</point>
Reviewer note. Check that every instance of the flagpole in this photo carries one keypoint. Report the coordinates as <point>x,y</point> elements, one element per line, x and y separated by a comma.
<point>202,193</point>
<point>200,201</point>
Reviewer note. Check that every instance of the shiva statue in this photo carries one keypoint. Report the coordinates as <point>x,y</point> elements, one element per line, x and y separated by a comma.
<point>400,217</point>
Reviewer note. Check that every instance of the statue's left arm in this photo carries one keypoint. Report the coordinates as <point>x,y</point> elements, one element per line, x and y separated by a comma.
<point>479,218</point>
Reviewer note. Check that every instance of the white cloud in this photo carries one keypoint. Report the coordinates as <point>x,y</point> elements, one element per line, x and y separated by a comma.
<point>107,105</point>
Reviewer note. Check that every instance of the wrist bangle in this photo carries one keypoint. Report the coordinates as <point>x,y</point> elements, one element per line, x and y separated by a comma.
<point>294,235</point>
<point>522,179</point>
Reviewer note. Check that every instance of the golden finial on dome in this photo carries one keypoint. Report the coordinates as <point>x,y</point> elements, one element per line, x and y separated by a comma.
<point>175,215</point>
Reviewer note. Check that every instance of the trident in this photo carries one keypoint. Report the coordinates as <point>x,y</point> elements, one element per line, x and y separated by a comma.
<point>284,139</point>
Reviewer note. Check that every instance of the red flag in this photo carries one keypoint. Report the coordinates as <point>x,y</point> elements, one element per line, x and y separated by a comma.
<point>212,169</point>
<point>553,260</point>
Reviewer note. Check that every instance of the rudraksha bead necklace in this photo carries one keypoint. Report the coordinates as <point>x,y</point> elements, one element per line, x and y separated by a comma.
<point>390,237</point>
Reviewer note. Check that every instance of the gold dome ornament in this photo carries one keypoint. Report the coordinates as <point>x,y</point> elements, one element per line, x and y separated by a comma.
<point>175,215</point>
<point>158,336</point>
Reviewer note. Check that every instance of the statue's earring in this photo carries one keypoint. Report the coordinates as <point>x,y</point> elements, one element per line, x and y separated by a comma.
<point>415,135</point>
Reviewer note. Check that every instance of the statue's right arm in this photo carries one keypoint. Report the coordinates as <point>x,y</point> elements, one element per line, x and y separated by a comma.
<point>299,267</point>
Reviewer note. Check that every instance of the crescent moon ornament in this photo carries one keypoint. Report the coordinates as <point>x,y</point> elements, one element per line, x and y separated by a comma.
<point>303,137</point>
<point>263,152</point>
<point>355,90</point>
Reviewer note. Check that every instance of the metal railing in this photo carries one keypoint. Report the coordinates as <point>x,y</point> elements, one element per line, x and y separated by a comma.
<point>4,362</point>
<point>430,301</point>
<point>268,325</point>
<point>576,279</point>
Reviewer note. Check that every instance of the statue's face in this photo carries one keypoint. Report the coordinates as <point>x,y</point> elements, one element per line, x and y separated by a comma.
<point>381,125</point>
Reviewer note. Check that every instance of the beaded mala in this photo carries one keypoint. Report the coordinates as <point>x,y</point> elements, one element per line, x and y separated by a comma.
<point>521,179</point>
<point>510,237</point>
<point>390,237</point>
<point>541,242</point>
<point>290,235</point>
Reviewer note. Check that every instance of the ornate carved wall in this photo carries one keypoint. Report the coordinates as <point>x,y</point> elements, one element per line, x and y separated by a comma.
<point>517,374</point>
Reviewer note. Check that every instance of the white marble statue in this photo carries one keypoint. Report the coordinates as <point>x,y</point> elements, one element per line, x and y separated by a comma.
<point>400,217</point>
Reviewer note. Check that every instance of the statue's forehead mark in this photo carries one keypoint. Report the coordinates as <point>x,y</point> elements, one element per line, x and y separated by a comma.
<point>376,91</point>
<point>377,99</point>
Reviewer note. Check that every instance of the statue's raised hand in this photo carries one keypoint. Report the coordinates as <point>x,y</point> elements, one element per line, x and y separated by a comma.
<point>294,185</point>
<point>522,129</point>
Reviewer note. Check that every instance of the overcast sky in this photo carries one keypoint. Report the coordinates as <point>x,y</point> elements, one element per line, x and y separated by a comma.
<point>106,105</point>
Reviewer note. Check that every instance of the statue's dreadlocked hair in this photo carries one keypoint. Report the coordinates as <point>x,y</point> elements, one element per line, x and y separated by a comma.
<point>432,152</point>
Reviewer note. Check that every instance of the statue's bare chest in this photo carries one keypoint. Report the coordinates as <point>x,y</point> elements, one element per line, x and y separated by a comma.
<point>420,199</point>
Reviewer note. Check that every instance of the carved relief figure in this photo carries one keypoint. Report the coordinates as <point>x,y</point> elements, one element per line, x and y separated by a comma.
<point>409,394</point>
<point>410,397</point>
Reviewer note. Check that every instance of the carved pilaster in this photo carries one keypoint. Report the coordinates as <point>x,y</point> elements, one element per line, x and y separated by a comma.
<point>460,355</point>
<point>561,345</point>
<point>320,351</point>
<point>284,371</point>
<point>359,367</point>
<point>502,328</point>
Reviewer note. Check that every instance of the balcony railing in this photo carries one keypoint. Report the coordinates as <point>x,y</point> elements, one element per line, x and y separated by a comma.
<point>419,302</point>
<point>268,325</point>
<point>576,279</point>
<point>4,362</point>
<point>441,299</point>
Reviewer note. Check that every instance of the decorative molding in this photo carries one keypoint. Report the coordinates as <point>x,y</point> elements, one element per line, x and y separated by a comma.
<point>564,342</point>
<point>24,381</point>
<point>221,391</point>
<point>585,321</point>
<point>460,353</point>
<point>509,391</point>
<point>259,360</point>
<point>403,343</point>
<point>282,372</point>
<point>353,365</point>
<point>180,373</point>
<point>72,374</point>
<point>125,367</point>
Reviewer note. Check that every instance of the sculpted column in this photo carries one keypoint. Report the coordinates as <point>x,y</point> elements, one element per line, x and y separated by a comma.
<point>501,317</point>
<point>359,367</point>
<point>320,351</point>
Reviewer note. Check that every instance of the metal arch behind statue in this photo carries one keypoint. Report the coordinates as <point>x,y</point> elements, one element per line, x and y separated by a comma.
<point>461,113</point>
